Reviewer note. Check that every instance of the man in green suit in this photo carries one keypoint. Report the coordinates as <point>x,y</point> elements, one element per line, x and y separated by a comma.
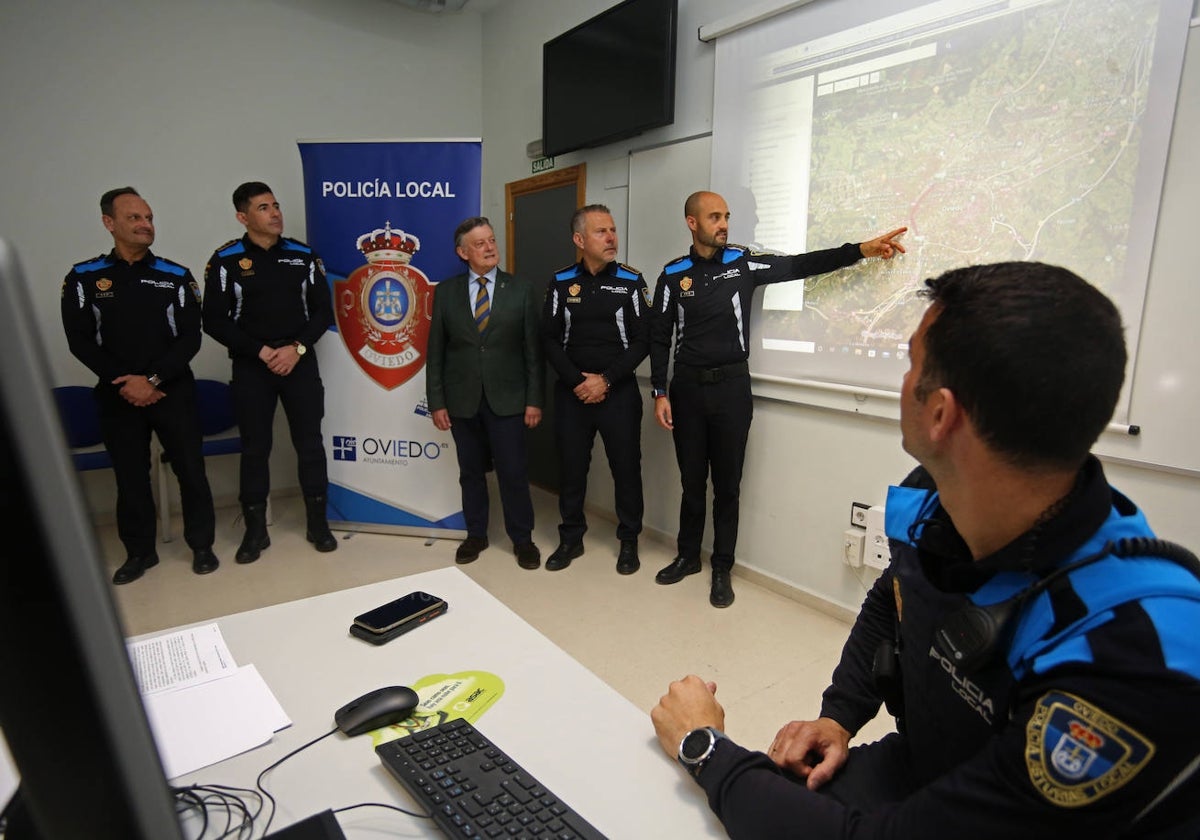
<point>485,382</point>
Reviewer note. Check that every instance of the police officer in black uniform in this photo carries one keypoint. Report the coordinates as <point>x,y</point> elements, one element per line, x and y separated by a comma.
<point>1034,639</point>
<point>704,299</point>
<point>134,319</point>
<point>266,299</point>
<point>596,327</point>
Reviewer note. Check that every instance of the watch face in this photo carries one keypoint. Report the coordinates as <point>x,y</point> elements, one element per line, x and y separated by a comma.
<point>695,744</point>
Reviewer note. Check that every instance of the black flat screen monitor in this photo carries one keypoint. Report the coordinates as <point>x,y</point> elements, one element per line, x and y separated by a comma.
<point>70,709</point>
<point>610,77</point>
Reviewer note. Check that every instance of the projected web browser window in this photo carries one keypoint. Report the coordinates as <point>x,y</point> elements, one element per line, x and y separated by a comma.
<point>992,130</point>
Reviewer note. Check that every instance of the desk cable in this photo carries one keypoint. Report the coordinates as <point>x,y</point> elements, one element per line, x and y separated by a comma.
<point>202,797</point>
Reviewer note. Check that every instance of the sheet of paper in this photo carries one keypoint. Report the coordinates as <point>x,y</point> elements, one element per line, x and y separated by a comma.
<point>180,659</point>
<point>206,723</point>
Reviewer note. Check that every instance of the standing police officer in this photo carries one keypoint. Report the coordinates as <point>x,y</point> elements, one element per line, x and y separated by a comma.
<point>705,298</point>
<point>266,299</point>
<point>596,328</point>
<point>134,319</point>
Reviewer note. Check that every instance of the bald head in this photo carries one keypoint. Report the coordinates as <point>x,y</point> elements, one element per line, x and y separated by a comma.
<point>707,217</point>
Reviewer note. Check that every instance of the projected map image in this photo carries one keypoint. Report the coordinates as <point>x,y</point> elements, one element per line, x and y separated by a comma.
<point>999,134</point>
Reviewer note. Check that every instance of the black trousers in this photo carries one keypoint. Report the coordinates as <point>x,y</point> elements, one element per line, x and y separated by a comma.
<point>126,430</point>
<point>256,391</point>
<point>618,419</point>
<point>712,425</point>
<point>481,441</point>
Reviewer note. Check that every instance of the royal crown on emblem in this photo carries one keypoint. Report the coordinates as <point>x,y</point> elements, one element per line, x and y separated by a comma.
<point>388,245</point>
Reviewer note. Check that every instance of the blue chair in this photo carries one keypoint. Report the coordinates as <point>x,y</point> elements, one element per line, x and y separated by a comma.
<point>214,403</point>
<point>81,424</point>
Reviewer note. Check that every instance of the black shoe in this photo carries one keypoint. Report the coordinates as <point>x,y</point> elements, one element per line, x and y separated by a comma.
<point>316,525</point>
<point>469,549</point>
<point>204,561</point>
<point>528,556</point>
<point>256,538</point>
<point>721,594</point>
<point>678,569</point>
<point>627,560</point>
<point>562,556</point>
<point>134,567</point>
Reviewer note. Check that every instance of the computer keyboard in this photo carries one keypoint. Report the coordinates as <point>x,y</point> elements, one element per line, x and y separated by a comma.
<point>473,789</point>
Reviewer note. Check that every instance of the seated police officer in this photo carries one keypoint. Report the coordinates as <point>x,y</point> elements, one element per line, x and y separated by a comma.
<point>1035,641</point>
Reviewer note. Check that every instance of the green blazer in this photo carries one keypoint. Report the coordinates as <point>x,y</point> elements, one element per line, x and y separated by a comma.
<point>504,364</point>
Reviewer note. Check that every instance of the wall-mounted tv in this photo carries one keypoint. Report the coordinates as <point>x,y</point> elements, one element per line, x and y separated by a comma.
<point>611,77</point>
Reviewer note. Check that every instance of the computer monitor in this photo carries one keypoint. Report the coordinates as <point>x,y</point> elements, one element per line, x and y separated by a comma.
<point>70,709</point>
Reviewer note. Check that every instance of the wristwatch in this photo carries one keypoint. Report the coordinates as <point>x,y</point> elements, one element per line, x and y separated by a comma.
<point>300,349</point>
<point>154,380</point>
<point>655,393</point>
<point>697,747</point>
<point>607,382</point>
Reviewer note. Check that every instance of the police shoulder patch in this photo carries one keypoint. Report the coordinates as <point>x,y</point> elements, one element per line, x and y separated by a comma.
<point>294,245</point>
<point>1076,752</point>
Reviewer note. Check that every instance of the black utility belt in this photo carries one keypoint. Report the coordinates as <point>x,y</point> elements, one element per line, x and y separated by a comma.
<point>710,376</point>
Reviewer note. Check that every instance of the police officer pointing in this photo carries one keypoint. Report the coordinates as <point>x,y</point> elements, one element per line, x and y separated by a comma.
<point>704,299</point>
<point>595,324</point>
<point>134,319</point>
<point>266,299</point>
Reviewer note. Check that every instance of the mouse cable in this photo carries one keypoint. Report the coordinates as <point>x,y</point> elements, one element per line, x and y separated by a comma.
<point>259,782</point>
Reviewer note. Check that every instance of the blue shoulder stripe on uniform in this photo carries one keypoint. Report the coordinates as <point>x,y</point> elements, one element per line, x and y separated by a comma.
<point>92,265</point>
<point>906,506</point>
<point>568,273</point>
<point>731,253</point>
<point>168,267</point>
<point>624,273</point>
<point>681,264</point>
<point>295,245</point>
<point>237,246</point>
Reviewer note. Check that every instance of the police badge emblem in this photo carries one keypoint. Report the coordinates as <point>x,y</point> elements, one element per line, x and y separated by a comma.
<point>685,284</point>
<point>244,263</point>
<point>384,308</point>
<point>104,284</point>
<point>574,290</point>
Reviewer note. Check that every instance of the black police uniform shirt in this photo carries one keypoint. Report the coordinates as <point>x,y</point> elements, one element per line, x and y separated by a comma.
<point>596,324</point>
<point>132,318</point>
<point>706,302</point>
<point>1076,728</point>
<point>275,296</point>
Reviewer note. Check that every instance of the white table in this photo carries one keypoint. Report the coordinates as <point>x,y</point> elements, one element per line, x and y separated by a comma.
<point>577,735</point>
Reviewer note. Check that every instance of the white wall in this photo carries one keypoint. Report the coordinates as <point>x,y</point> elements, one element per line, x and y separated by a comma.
<point>185,100</point>
<point>804,465</point>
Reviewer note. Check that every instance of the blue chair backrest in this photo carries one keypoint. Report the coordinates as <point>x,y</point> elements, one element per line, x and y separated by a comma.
<point>81,424</point>
<point>215,405</point>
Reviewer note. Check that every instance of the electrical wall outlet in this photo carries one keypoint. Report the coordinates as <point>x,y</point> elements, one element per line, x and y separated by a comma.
<point>876,552</point>
<point>858,514</point>
<point>853,540</point>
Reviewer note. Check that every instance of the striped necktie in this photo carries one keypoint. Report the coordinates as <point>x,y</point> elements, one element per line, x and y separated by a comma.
<point>483,306</point>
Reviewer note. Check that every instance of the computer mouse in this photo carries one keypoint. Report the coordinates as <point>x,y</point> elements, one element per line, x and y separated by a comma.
<point>375,709</point>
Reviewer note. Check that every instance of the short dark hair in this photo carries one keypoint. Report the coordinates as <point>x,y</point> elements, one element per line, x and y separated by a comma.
<point>245,192</point>
<point>467,225</point>
<point>1033,353</point>
<point>577,216</point>
<point>106,200</point>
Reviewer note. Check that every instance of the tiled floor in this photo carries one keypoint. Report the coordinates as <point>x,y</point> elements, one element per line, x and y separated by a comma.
<point>770,656</point>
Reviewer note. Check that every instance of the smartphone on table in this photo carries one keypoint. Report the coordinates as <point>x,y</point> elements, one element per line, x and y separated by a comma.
<point>396,618</point>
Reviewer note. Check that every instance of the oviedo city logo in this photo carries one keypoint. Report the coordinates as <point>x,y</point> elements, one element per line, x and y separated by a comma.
<point>384,308</point>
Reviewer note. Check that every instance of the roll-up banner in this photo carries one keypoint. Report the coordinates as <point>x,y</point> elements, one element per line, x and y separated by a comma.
<point>382,216</point>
